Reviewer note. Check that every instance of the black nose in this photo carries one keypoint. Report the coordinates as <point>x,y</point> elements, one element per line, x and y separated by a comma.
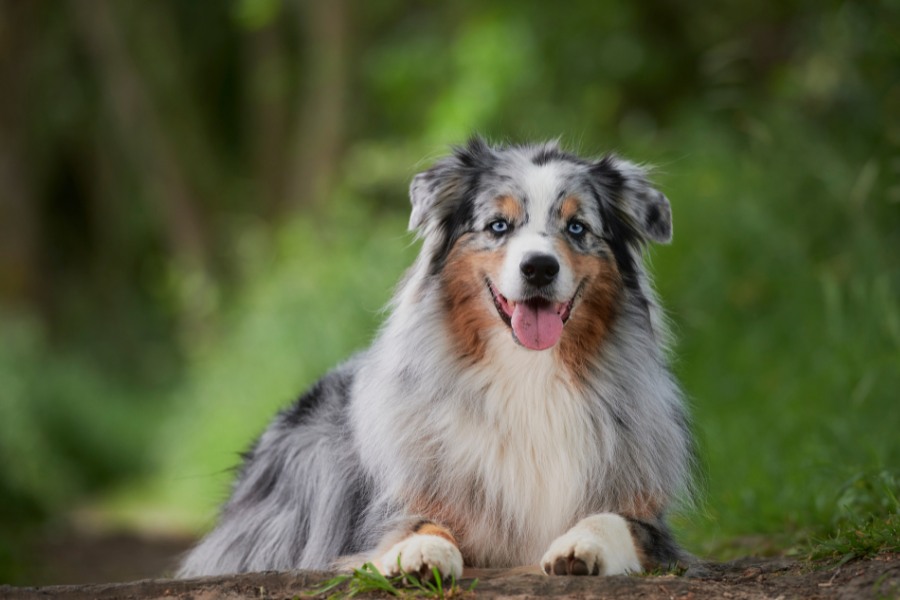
<point>539,269</point>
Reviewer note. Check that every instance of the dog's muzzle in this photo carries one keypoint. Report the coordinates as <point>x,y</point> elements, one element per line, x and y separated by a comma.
<point>539,270</point>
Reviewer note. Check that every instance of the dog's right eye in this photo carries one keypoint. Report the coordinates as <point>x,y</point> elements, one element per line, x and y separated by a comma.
<point>499,227</point>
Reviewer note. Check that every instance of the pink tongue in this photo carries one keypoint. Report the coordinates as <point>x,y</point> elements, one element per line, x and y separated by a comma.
<point>537,326</point>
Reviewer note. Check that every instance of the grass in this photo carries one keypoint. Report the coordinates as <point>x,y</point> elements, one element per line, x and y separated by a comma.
<point>866,521</point>
<point>368,579</point>
<point>789,345</point>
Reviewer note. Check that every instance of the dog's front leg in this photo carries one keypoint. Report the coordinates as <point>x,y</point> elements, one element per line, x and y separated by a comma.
<point>601,544</point>
<point>424,547</point>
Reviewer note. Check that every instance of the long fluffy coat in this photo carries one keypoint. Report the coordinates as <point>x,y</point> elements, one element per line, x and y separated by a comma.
<point>451,424</point>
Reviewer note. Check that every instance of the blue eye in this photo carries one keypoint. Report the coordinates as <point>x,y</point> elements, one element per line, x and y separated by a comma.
<point>575,228</point>
<point>500,226</point>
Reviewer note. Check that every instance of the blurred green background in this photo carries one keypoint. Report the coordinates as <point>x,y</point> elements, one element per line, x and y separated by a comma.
<point>203,208</point>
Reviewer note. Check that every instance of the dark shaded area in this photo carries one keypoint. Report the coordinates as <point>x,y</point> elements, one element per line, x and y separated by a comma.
<point>73,557</point>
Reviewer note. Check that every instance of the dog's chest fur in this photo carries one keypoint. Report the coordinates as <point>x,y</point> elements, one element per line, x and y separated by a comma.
<point>501,452</point>
<point>527,449</point>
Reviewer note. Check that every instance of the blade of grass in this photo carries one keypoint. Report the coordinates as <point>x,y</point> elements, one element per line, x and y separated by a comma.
<point>328,585</point>
<point>439,582</point>
<point>371,576</point>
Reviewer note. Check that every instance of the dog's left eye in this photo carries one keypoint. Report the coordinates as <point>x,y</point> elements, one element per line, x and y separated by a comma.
<point>500,226</point>
<point>575,228</point>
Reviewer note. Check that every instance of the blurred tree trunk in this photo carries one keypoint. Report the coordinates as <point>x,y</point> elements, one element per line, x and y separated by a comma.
<point>319,130</point>
<point>142,134</point>
<point>267,112</point>
<point>19,244</point>
<point>172,87</point>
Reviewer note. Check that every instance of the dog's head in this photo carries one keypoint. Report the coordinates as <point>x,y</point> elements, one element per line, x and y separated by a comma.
<point>534,239</point>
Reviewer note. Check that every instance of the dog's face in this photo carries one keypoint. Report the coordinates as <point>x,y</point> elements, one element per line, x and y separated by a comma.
<point>535,241</point>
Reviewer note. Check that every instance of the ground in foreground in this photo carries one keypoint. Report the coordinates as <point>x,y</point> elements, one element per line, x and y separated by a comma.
<point>878,577</point>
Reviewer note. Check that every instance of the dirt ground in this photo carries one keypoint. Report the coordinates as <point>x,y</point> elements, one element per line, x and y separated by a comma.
<point>69,556</point>
<point>742,579</point>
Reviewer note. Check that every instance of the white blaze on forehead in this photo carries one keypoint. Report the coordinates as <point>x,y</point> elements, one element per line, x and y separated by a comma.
<point>541,186</point>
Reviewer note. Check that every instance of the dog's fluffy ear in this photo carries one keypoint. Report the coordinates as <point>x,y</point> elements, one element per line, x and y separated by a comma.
<point>645,209</point>
<point>436,193</point>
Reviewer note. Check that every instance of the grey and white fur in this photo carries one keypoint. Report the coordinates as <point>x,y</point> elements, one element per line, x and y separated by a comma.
<point>452,440</point>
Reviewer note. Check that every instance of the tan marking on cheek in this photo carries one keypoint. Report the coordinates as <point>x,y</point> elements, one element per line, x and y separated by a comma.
<point>511,208</point>
<point>594,310</point>
<point>469,310</point>
<point>569,208</point>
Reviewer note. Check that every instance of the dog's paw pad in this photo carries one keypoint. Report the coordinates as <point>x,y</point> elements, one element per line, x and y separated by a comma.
<point>419,554</point>
<point>597,545</point>
<point>569,555</point>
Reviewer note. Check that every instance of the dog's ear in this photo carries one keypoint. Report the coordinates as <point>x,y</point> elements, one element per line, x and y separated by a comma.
<point>644,208</point>
<point>435,194</point>
<point>423,195</point>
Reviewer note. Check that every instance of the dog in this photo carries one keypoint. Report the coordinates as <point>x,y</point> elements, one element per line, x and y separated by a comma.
<point>516,407</point>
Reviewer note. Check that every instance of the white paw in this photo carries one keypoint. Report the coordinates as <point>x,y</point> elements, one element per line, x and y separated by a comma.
<point>598,545</point>
<point>420,553</point>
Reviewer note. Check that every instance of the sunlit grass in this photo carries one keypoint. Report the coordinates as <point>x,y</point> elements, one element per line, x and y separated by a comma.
<point>368,579</point>
<point>866,520</point>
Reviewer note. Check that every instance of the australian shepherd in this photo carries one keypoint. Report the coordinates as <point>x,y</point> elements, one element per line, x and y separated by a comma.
<point>516,408</point>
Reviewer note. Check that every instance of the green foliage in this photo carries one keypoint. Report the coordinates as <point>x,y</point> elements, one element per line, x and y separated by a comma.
<point>368,579</point>
<point>315,295</point>
<point>66,428</point>
<point>784,297</point>
<point>255,14</point>
<point>64,425</point>
<point>866,519</point>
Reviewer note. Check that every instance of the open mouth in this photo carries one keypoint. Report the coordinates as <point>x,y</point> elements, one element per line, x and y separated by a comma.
<point>536,323</point>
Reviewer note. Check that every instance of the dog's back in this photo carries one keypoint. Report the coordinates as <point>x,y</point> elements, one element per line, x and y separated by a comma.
<point>299,494</point>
